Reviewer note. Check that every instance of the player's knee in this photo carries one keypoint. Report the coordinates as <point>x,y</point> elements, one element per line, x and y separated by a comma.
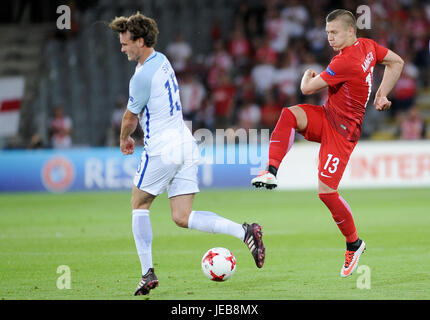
<point>328,197</point>
<point>180,218</point>
<point>299,115</point>
<point>324,188</point>
<point>141,199</point>
<point>140,202</point>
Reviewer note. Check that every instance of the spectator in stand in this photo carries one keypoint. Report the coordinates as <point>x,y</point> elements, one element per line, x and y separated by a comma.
<point>317,36</point>
<point>270,111</point>
<point>179,53</point>
<point>60,129</point>
<point>215,30</point>
<point>417,25</point>
<point>192,95</point>
<point>223,97</point>
<point>419,31</point>
<point>205,118</point>
<point>245,85</point>
<point>286,79</point>
<point>239,47</point>
<point>397,14</point>
<point>296,15</point>
<point>412,125</point>
<point>218,63</point>
<point>264,52</point>
<point>249,115</point>
<point>220,57</point>
<point>405,91</point>
<point>263,73</point>
<point>276,30</point>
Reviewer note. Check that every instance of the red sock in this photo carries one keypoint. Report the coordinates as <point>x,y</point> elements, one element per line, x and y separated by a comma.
<point>341,213</point>
<point>282,137</point>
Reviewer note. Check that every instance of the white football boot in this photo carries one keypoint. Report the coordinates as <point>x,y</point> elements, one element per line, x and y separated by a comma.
<point>351,260</point>
<point>265,179</point>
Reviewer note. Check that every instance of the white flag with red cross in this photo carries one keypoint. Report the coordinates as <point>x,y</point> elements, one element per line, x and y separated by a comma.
<point>11,94</point>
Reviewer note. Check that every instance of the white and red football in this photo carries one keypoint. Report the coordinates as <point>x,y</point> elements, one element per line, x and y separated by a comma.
<point>218,264</point>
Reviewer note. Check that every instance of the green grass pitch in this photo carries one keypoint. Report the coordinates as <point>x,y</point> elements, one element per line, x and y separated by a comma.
<point>91,234</point>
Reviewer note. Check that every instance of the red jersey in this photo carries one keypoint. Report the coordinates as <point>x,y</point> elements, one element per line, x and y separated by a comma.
<point>350,76</point>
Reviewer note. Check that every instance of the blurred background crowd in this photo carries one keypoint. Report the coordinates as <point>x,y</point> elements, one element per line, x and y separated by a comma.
<point>237,62</point>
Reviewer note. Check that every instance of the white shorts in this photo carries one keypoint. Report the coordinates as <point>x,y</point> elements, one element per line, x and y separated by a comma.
<point>154,174</point>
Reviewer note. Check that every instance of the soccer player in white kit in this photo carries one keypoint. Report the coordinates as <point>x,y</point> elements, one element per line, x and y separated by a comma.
<point>170,156</point>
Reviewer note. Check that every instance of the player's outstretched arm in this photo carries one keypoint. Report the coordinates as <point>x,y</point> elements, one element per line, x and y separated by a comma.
<point>393,69</point>
<point>311,82</point>
<point>129,124</point>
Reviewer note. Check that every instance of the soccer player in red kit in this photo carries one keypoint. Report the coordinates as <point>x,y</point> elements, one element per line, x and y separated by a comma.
<point>337,124</point>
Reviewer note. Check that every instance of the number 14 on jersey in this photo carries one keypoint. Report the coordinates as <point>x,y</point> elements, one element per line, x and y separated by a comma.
<point>173,104</point>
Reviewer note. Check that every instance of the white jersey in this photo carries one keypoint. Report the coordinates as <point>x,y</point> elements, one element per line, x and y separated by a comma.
<point>154,93</point>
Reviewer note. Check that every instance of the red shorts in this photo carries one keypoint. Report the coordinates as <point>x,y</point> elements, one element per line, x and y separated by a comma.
<point>335,150</point>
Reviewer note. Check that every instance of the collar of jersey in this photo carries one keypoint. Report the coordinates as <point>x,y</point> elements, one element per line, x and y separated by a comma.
<point>152,55</point>
<point>350,46</point>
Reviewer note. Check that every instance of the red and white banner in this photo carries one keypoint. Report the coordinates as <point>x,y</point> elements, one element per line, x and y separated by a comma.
<point>11,94</point>
<point>373,164</point>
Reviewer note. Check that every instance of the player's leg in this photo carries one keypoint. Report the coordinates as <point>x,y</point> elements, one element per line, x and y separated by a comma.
<point>150,180</point>
<point>181,193</point>
<point>334,155</point>
<point>282,138</point>
<point>141,227</point>
<point>342,215</point>
<point>141,200</point>
<point>340,210</point>
<point>142,233</point>
<point>206,221</point>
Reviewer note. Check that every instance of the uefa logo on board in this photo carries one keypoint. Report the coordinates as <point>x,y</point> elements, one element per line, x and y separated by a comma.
<point>58,174</point>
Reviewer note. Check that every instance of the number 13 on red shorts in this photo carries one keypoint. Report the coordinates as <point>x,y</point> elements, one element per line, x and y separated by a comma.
<point>331,168</point>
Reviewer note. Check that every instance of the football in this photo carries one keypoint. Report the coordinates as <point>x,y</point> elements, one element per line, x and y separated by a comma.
<point>218,264</point>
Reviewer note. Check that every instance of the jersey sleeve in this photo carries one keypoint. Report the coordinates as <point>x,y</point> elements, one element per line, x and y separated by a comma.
<point>381,52</point>
<point>140,91</point>
<point>336,72</point>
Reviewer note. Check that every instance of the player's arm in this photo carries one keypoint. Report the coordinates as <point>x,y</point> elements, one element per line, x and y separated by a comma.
<point>128,126</point>
<point>393,69</point>
<point>311,82</point>
<point>140,90</point>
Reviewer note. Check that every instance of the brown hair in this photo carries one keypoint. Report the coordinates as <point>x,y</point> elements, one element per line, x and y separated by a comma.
<point>345,15</point>
<point>139,26</point>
